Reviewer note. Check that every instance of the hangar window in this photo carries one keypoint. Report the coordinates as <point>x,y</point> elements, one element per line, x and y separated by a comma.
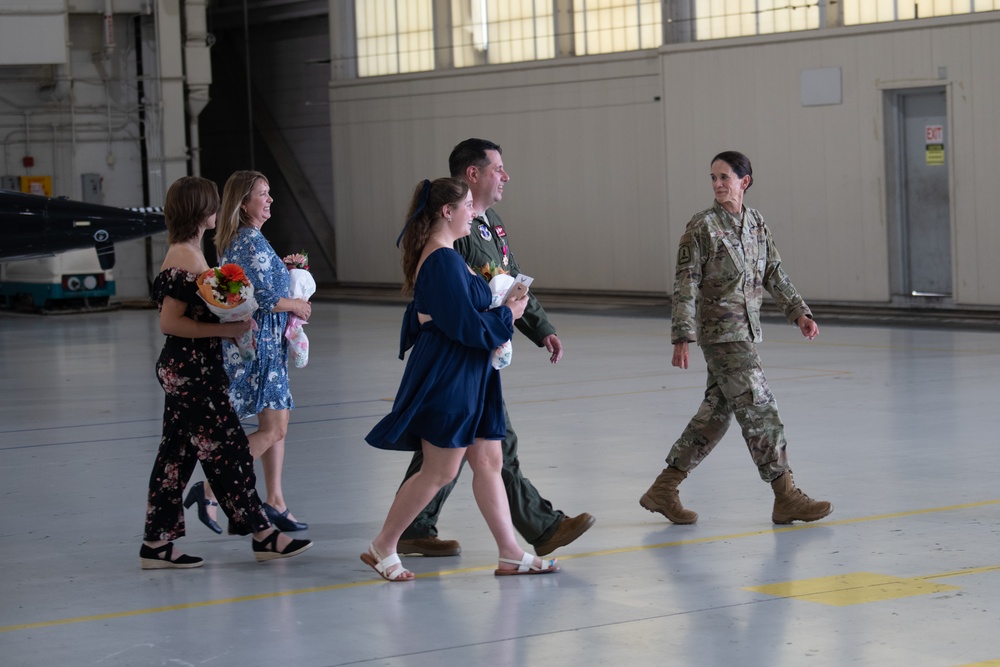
<point>491,32</point>
<point>394,36</point>
<point>878,11</point>
<point>717,19</point>
<point>400,36</point>
<point>608,26</point>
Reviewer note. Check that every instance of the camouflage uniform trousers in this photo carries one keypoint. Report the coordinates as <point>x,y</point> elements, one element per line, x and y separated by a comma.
<point>736,385</point>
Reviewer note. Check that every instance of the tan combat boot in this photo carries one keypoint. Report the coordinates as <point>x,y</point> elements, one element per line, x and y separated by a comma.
<point>662,497</point>
<point>790,504</point>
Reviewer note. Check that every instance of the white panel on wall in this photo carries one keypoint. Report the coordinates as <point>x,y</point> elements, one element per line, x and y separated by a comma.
<point>819,87</point>
<point>32,40</point>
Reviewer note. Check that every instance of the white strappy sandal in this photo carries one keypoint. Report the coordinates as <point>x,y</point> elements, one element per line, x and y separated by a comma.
<point>382,565</point>
<point>527,566</point>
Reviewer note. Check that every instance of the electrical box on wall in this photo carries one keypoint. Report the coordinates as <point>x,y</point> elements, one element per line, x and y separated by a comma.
<point>91,186</point>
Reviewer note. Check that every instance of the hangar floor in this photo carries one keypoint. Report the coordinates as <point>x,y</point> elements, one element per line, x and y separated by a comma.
<point>897,426</point>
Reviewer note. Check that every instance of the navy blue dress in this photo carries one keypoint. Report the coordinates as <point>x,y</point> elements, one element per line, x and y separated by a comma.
<point>449,394</point>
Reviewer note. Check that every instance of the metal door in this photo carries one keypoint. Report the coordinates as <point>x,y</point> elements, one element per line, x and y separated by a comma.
<point>925,209</point>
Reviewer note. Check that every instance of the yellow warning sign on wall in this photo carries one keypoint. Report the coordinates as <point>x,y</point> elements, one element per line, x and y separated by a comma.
<point>37,185</point>
<point>935,154</point>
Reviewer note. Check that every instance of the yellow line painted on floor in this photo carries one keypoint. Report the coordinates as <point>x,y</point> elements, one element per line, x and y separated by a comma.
<point>178,607</point>
<point>785,529</point>
<point>849,589</point>
<point>958,573</point>
<point>863,587</point>
<point>914,583</point>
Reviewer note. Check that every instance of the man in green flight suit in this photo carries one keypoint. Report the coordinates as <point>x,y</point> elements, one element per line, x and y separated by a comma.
<point>479,163</point>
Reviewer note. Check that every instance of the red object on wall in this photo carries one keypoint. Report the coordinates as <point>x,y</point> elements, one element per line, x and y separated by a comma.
<point>28,161</point>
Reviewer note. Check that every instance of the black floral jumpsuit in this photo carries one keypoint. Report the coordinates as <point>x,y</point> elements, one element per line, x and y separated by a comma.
<point>199,424</point>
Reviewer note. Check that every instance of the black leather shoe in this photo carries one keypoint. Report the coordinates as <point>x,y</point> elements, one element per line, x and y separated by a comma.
<point>267,549</point>
<point>281,520</point>
<point>197,495</point>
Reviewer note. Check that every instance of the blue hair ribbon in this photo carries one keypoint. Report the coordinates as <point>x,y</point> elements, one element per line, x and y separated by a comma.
<point>425,192</point>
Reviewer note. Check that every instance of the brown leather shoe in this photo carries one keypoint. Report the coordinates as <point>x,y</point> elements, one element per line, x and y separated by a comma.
<point>568,530</point>
<point>428,546</point>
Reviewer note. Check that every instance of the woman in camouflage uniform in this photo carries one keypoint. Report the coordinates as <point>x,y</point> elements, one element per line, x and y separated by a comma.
<point>726,260</point>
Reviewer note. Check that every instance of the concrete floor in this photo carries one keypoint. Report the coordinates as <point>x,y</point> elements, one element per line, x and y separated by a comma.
<point>896,426</point>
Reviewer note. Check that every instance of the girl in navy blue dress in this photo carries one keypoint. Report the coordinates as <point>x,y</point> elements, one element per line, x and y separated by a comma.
<point>449,404</point>
<point>199,423</point>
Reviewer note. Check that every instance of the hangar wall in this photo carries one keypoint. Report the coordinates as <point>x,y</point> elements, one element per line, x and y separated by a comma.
<point>609,154</point>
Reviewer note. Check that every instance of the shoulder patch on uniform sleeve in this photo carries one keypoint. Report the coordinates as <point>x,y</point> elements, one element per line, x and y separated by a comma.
<point>684,254</point>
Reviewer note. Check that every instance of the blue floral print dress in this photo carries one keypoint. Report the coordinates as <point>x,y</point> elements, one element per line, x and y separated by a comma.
<point>263,382</point>
<point>199,424</point>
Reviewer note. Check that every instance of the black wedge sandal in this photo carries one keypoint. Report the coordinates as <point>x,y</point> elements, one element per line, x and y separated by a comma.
<point>267,549</point>
<point>160,558</point>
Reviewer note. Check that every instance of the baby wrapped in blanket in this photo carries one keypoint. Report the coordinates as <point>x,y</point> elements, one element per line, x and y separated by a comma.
<point>499,285</point>
<point>301,286</point>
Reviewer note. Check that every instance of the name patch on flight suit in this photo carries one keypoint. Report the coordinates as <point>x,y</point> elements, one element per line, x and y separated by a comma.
<point>684,254</point>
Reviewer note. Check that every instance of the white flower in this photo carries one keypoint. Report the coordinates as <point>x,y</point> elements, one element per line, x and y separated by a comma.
<point>261,261</point>
<point>232,354</point>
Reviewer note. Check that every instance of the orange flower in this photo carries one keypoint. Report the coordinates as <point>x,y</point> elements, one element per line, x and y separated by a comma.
<point>233,273</point>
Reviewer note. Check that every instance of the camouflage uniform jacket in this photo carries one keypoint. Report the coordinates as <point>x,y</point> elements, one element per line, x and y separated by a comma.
<point>487,244</point>
<point>722,272</point>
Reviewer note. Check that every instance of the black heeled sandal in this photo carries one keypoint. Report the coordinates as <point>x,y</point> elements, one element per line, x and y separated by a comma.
<point>267,549</point>
<point>197,495</point>
<point>160,558</point>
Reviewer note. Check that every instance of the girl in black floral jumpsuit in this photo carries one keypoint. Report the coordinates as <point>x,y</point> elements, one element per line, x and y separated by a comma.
<point>199,423</point>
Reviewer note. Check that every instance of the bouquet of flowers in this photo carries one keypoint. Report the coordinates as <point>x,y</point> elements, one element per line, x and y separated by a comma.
<point>228,293</point>
<point>491,270</point>
<point>301,286</point>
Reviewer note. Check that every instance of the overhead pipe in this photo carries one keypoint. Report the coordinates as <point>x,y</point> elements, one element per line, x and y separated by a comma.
<point>197,73</point>
<point>109,29</point>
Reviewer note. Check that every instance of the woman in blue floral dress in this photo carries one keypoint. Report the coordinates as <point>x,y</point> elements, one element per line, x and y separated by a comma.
<point>260,387</point>
<point>199,423</point>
